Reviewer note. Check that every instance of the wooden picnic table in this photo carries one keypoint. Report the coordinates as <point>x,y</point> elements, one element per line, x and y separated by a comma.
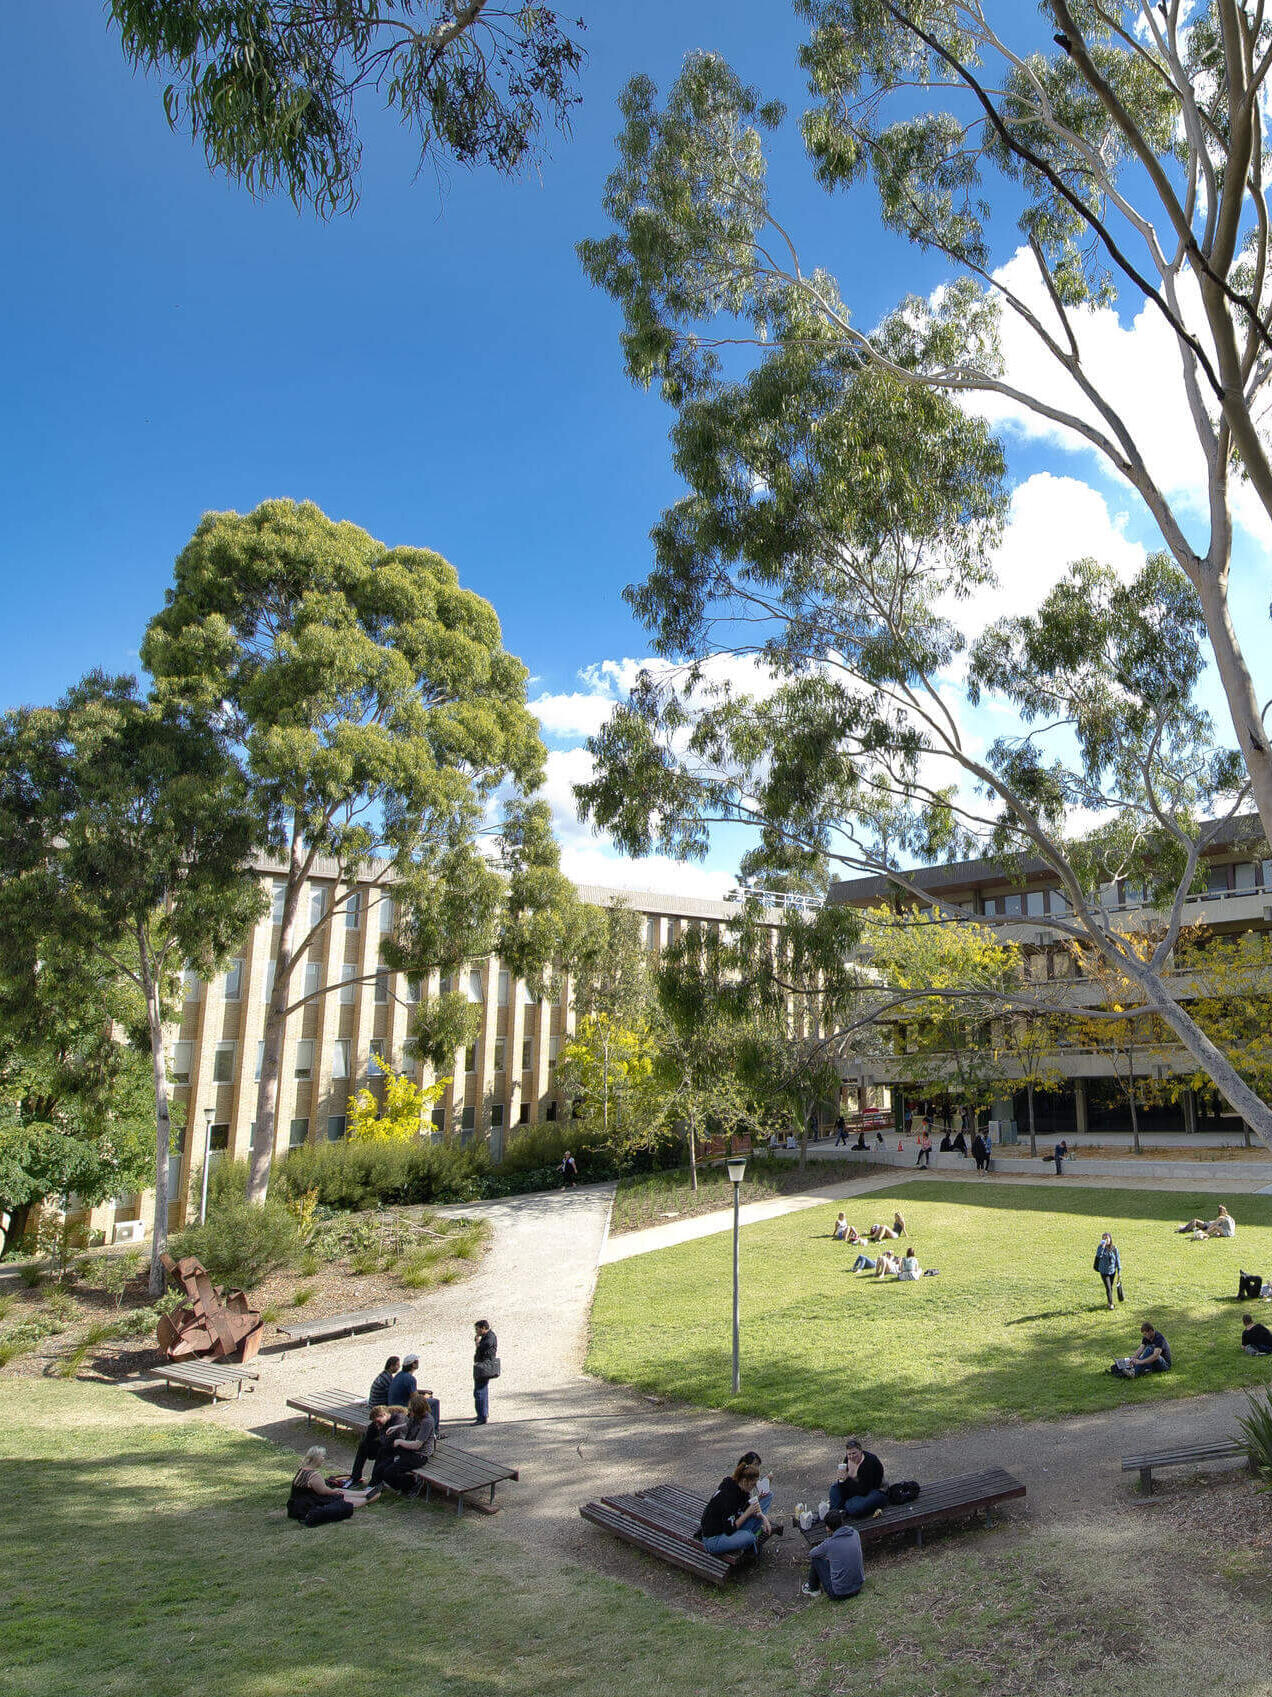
<point>209,1377</point>
<point>456,1473</point>
<point>338,1325</point>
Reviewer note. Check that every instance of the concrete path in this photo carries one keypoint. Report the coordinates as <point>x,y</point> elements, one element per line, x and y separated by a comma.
<point>1194,1177</point>
<point>574,1438</point>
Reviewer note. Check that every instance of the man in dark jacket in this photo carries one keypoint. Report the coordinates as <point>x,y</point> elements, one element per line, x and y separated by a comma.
<point>1256,1339</point>
<point>835,1567</point>
<point>483,1355</point>
<point>858,1491</point>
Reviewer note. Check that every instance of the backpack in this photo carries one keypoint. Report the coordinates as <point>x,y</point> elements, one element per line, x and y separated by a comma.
<point>904,1491</point>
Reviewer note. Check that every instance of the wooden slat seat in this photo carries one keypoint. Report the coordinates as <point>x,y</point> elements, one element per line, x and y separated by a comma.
<point>614,1514</point>
<point>338,1325</point>
<point>456,1472</point>
<point>1189,1455</point>
<point>333,1408</point>
<point>943,1499</point>
<point>209,1377</point>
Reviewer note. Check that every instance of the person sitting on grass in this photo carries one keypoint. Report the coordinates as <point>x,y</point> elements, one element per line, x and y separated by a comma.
<point>734,1521</point>
<point>835,1566</point>
<point>861,1139</point>
<point>1223,1225</point>
<point>407,1445</point>
<point>1256,1339</point>
<point>840,1232</point>
<point>909,1268</point>
<point>379,1392</point>
<point>858,1489</point>
<point>889,1265</point>
<point>879,1233</point>
<point>898,1224</point>
<point>1152,1356</point>
<point>316,1503</point>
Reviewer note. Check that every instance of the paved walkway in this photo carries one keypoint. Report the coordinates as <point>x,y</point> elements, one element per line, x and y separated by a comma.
<point>575,1438</point>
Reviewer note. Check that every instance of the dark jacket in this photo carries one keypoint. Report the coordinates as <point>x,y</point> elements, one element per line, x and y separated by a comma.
<point>1257,1337</point>
<point>869,1474</point>
<point>722,1511</point>
<point>487,1349</point>
<point>401,1390</point>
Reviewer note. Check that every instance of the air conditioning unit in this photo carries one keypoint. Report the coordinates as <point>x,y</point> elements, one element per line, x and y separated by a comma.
<point>129,1231</point>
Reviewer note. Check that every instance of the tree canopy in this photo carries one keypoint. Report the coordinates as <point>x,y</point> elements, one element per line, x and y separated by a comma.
<point>273,89</point>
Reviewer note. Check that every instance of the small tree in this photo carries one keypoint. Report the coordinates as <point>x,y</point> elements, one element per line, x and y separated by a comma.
<point>125,838</point>
<point>273,89</point>
<point>378,713</point>
<point>400,1119</point>
<point>609,1069</point>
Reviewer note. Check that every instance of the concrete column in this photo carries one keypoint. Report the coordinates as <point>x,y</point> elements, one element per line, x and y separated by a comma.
<point>1079,1107</point>
<point>1189,1100</point>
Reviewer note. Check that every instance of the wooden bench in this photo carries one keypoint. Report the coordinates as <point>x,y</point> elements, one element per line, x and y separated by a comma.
<point>943,1499</point>
<point>455,1473</point>
<point>210,1377</point>
<point>662,1522</point>
<point>336,1409</point>
<point>1195,1456</point>
<point>338,1325</point>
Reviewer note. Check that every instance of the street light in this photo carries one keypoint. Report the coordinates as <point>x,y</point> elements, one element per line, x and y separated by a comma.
<point>207,1145</point>
<point>735,1166</point>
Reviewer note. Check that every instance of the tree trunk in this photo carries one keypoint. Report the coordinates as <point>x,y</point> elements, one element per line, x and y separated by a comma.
<point>693,1155</point>
<point>1225,1077</point>
<point>1033,1130</point>
<point>163,1124</point>
<point>270,1086</point>
<point>17,1227</point>
<point>1135,1136</point>
<point>1238,689</point>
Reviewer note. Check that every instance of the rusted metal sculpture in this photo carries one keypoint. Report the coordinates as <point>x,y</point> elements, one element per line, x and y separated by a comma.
<point>209,1323</point>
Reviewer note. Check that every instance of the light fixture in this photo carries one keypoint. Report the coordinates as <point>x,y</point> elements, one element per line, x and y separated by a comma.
<point>735,1166</point>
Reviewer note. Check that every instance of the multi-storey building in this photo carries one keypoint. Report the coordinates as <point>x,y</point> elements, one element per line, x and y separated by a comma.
<point>342,1040</point>
<point>1084,1096</point>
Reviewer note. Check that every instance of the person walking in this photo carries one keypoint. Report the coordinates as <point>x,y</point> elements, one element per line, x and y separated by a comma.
<point>1108,1264</point>
<point>841,1131</point>
<point>485,1368</point>
<point>569,1171</point>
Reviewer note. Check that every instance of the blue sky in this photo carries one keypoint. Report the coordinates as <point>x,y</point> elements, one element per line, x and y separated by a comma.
<point>435,369</point>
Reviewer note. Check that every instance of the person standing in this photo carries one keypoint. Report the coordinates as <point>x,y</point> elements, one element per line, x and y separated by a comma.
<point>841,1131</point>
<point>1058,1155</point>
<point>980,1153</point>
<point>485,1368</point>
<point>1108,1264</point>
<point>570,1171</point>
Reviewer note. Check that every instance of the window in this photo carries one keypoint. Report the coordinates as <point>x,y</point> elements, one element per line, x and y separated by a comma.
<point>523,1117</point>
<point>468,1117</point>
<point>353,911</point>
<point>348,989</point>
<point>470,1058</point>
<point>251,1135</point>
<point>297,1133</point>
<point>260,1060</point>
<point>1217,881</point>
<point>527,1053</point>
<point>1267,874</point>
<point>375,1060</point>
<point>271,967</point>
<point>381,986</point>
<point>1035,903</point>
<point>219,1138</point>
<point>500,1047</point>
<point>1243,875</point>
<point>340,1058</point>
<point>189,984</point>
<point>990,906</point>
<point>313,977</point>
<point>503,983</point>
<point>385,905</point>
<point>496,1117</point>
<point>651,932</point>
<point>182,1060</point>
<point>305,1058</point>
<point>279,897</point>
<point>1011,907</point>
<point>445,984</point>
<point>317,904</point>
<point>335,1127</point>
<point>1059,902</point>
<point>412,989</point>
<point>474,986</point>
<point>223,1063</point>
<point>408,1063</point>
<point>528,996</point>
<point>554,1049</point>
<point>438,1117</point>
<point>550,1111</point>
<point>174,1177</point>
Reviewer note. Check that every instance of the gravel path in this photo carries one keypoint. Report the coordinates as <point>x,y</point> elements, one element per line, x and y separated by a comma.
<point>574,1438</point>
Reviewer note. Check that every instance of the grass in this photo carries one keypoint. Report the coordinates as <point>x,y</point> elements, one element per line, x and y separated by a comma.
<point>650,1198</point>
<point>152,1554</point>
<point>1015,1326</point>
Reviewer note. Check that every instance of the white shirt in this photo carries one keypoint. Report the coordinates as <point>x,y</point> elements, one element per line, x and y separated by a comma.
<point>910,1268</point>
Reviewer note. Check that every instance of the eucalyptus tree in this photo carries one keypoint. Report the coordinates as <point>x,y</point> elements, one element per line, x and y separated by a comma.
<point>377,713</point>
<point>126,835</point>
<point>838,537</point>
<point>273,90</point>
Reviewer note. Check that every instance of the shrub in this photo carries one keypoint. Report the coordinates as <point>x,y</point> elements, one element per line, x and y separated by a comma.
<point>241,1244</point>
<point>227,1182</point>
<point>1256,1430</point>
<point>360,1175</point>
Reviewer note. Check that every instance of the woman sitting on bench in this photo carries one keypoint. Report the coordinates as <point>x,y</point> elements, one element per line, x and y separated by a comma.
<point>407,1446</point>
<point>734,1520</point>
<point>314,1501</point>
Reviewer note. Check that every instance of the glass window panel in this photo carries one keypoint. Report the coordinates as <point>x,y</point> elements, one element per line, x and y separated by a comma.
<point>1243,875</point>
<point>990,905</point>
<point>470,1058</point>
<point>468,1116</point>
<point>219,1138</point>
<point>1035,903</point>
<point>223,1064</point>
<point>503,989</point>
<point>336,1127</point>
<point>381,986</point>
<point>305,1058</point>
<point>353,911</point>
<point>340,1058</point>
<point>438,1117</point>
<point>190,983</point>
<point>174,1177</point>
<point>527,1053</point>
<point>317,904</point>
<point>496,1116</point>
<point>1267,874</point>
<point>1217,880</point>
<point>651,932</point>
<point>499,1054</point>
<point>528,996</point>
<point>523,1115</point>
<point>260,1058</point>
<point>348,989</point>
<point>375,1060</point>
<point>1059,903</point>
<point>297,1133</point>
<point>313,977</point>
<point>279,897</point>
<point>474,986</point>
<point>1011,907</point>
<point>385,909</point>
<point>182,1061</point>
<point>412,989</point>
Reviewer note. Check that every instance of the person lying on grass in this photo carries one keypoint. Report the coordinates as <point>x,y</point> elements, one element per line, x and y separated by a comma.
<point>313,1501</point>
<point>880,1233</point>
<point>835,1566</point>
<point>1223,1225</point>
<point>1256,1339</point>
<point>889,1264</point>
<point>1152,1356</point>
<point>858,1489</point>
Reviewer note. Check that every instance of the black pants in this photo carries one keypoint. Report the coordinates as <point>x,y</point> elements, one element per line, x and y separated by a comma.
<point>368,1450</point>
<point>325,1513</point>
<point>1110,1279</point>
<point>819,1579</point>
<point>925,1157</point>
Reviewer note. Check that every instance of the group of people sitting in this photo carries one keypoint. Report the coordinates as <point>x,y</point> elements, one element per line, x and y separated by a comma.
<point>878,1233</point>
<point>887,1263</point>
<point>736,1520</point>
<point>1223,1225</point>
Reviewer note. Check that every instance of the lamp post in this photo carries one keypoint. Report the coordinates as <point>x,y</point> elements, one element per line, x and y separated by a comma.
<point>207,1147</point>
<point>735,1166</point>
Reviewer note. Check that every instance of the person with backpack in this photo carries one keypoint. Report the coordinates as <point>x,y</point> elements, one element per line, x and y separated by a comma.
<point>1108,1264</point>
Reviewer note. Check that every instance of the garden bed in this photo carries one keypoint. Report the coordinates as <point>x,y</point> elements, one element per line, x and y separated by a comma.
<point>651,1199</point>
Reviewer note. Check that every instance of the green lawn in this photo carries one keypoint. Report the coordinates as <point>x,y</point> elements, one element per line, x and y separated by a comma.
<point>143,1553</point>
<point>1015,1325</point>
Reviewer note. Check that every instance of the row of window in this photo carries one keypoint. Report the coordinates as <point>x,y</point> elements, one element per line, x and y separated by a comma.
<point>225,1053</point>
<point>351,906</point>
<point>1235,877</point>
<point>349,978</point>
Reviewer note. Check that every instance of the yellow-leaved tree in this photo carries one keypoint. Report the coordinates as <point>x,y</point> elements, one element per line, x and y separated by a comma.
<point>401,1118</point>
